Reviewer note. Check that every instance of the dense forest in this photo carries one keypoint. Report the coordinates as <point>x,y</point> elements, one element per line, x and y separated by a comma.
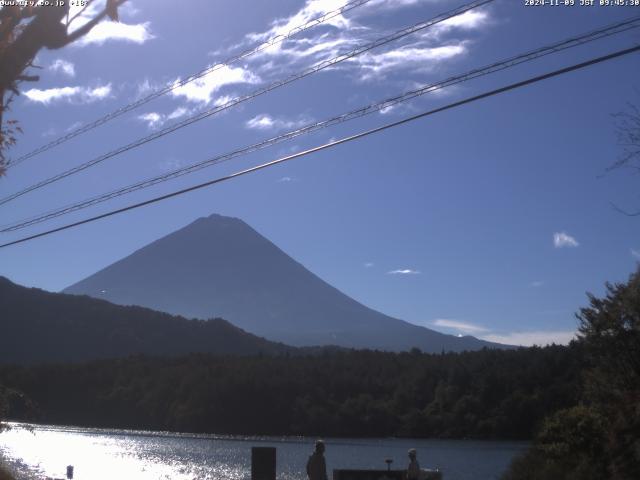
<point>484,394</point>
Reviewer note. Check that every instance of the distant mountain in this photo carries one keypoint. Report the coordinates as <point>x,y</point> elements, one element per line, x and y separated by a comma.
<point>220,266</point>
<point>38,326</point>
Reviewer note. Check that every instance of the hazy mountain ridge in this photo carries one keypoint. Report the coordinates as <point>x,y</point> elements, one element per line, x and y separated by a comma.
<point>219,266</point>
<point>39,326</point>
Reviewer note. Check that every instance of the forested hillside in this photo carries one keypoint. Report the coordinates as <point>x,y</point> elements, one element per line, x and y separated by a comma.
<point>485,394</point>
<point>38,326</point>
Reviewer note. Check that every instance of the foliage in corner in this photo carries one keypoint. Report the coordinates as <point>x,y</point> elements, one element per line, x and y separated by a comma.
<point>599,437</point>
<point>24,31</point>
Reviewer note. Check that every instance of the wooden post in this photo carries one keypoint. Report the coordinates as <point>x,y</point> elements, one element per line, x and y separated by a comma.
<point>263,463</point>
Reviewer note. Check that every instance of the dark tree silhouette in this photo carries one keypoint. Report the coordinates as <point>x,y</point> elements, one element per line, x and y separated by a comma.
<point>599,437</point>
<point>628,132</point>
<point>24,31</point>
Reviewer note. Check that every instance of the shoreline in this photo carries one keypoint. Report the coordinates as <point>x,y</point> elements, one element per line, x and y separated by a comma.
<point>283,438</point>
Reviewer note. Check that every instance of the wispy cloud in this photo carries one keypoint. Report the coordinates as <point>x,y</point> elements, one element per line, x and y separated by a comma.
<point>128,9</point>
<point>50,132</point>
<point>530,338</point>
<point>471,19</point>
<point>376,65</point>
<point>398,108</point>
<point>311,10</point>
<point>106,31</point>
<point>267,122</point>
<point>203,89</point>
<point>287,179</point>
<point>635,253</point>
<point>178,113</point>
<point>73,126</point>
<point>145,87</point>
<point>418,52</point>
<point>156,119</point>
<point>152,119</point>
<point>54,131</point>
<point>64,67</point>
<point>78,95</point>
<point>460,326</point>
<point>171,164</point>
<point>562,239</point>
<point>368,264</point>
<point>404,271</point>
<point>536,283</point>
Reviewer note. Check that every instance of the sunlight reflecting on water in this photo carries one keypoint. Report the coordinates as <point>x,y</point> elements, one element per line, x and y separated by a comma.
<point>42,451</point>
<point>97,455</point>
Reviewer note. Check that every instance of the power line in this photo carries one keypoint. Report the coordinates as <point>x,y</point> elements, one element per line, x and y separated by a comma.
<point>206,71</point>
<point>236,101</point>
<point>591,36</point>
<point>334,143</point>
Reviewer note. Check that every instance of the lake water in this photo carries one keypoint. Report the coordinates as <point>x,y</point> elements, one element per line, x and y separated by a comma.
<point>41,451</point>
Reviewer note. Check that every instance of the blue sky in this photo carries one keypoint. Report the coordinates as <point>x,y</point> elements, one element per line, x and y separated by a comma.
<point>493,219</point>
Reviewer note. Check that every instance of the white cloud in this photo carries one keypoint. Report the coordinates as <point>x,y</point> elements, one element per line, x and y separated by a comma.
<point>64,67</point>
<point>393,3</point>
<point>468,20</point>
<point>145,87</point>
<point>267,122</point>
<point>71,94</point>
<point>388,109</point>
<point>420,52</point>
<point>155,119</point>
<point>397,108</point>
<point>562,239</point>
<point>635,253</point>
<point>405,271</point>
<point>202,89</point>
<point>523,338</point>
<point>178,113</point>
<point>109,31</point>
<point>537,283</point>
<point>312,9</point>
<point>286,180</point>
<point>129,9</point>
<point>73,126</point>
<point>465,327</point>
<point>261,122</point>
<point>368,264</point>
<point>419,58</point>
<point>152,119</point>
<point>221,100</point>
<point>530,338</point>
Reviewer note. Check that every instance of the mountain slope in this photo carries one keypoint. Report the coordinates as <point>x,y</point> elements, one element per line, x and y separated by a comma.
<point>220,266</point>
<point>38,326</point>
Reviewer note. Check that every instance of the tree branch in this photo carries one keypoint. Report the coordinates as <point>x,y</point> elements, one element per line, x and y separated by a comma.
<point>624,212</point>
<point>86,28</point>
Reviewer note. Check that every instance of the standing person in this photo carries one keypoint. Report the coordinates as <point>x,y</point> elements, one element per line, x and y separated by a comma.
<point>413,470</point>
<point>316,466</point>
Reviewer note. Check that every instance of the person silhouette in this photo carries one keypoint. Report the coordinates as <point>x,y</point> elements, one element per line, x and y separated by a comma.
<point>413,470</point>
<point>316,466</point>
